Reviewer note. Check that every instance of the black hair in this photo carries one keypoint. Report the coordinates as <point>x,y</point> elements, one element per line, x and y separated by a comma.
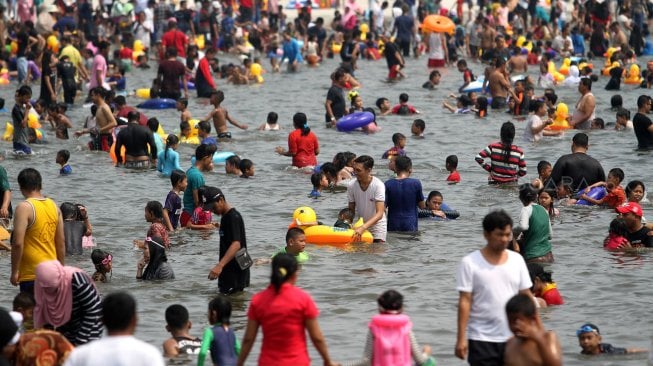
<point>535,270</point>
<point>642,100</point>
<point>299,120</point>
<point>623,113</point>
<point>177,316</point>
<point>465,100</point>
<point>403,97</point>
<point>419,123</point>
<point>507,136</point>
<point>133,116</point>
<point>587,82</point>
<point>184,126</point>
<point>221,305</point>
<point>233,160</point>
<point>618,227</point>
<point>272,117</point>
<point>581,140</point>
<point>204,150</point>
<point>552,97</point>
<point>527,193</point>
<point>24,90</point>
<point>390,300</point>
<point>346,213</point>
<point>183,101</point>
<point>293,233</point>
<point>434,194</point>
<point>403,164</point>
<point>552,194</point>
<point>97,256</point>
<point>366,160</point>
<point>339,161</point>
<point>632,185</point>
<point>204,126</point>
<point>481,106</point>
<point>245,164</point>
<point>118,311</point>
<point>283,267</point>
<point>380,101</point>
<point>65,154</point>
<point>452,161</point>
<point>461,63</point>
<point>543,164</point>
<point>330,170</point>
<point>535,105</point>
<point>155,208</point>
<point>29,179</point>
<point>433,74</point>
<point>171,140</point>
<point>316,178</point>
<point>521,304</point>
<point>599,122</point>
<point>177,176</point>
<point>120,100</point>
<point>99,91</point>
<point>396,137</point>
<point>153,124</point>
<point>617,173</point>
<point>616,101</point>
<point>23,301</point>
<point>498,219</point>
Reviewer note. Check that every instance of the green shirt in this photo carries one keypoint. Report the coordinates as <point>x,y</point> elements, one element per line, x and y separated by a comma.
<point>301,258</point>
<point>536,238</point>
<point>195,181</point>
<point>207,339</point>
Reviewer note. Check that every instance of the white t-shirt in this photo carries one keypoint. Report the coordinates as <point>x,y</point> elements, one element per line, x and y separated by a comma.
<point>436,52</point>
<point>366,204</point>
<point>115,351</point>
<point>534,121</point>
<point>491,287</point>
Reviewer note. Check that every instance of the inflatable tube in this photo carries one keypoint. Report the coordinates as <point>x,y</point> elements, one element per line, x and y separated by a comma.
<point>4,234</point>
<point>9,132</point>
<point>158,103</point>
<point>328,235</point>
<point>353,121</point>
<point>218,158</point>
<point>189,84</point>
<point>475,86</point>
<point>438,23</point>
<point>595,193</point>
<point>143,93</point>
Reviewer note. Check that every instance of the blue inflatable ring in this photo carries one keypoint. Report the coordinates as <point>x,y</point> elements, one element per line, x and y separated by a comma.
<point>218,158</point>
<point>595,193</point>
<point>158,103</point>
<point>355,120</point>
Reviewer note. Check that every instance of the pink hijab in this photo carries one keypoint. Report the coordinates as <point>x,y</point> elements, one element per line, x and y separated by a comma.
<point>53,294</point>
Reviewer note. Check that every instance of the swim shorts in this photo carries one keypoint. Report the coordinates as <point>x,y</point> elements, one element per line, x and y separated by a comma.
<point>224,135</point>
<point>22,148</point>
<point>485,353</point>
<point>498,103</point>
<point>394,71</point>
<point>101,142</point>
<point>184,219</point>
<point>140,164</point>
<point>436,62</point>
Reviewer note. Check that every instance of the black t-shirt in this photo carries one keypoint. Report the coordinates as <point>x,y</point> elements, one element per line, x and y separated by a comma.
<point>22,40</point>
<point>66,71</point>
<point>390,53</point>
<point>640,238</point>
<point>172,71</point>
<point>338,104</point>
<point>319,33</point>
<point>578,169</point>
<point>232,228</point>
<point>641,124</point>
<point>136,139</point>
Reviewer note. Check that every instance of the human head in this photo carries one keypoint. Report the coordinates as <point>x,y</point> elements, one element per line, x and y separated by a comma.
<point>319,180</point>
<point>24,93</point>
<point>217,97</point>
<point>24,304</point>
<point>585,85</point>
<point>220,310</point>
<point>399,140</point>
<point>403,164</point>
<point>462,65</point>
<point>295,241</point>
<point>284,269</point>
<point>644,103</point>
<point>519,309</point>
<point>346,215</point>
<point>29,180</point>
<point>182,104</point>
<point>589,338</point>
<point>527,194</point>
<point>497,230</point>
<point>481,106</point>
<point>544,169</point>
<point>632,213</point>
<point>615,176</point>
<point>635,190</point>
<point>102,260</point>
<point>133,117</point>
<point>434,200</point>
<point>153,125</point>
<point>204,128</point>
<point>119,313</point>
<point>153,211</point>
<point>247,167</point>
<point>171,52</point>
<point>178,179</point>
<point>418,127</point>
<point>403,98</point>
<point>177,318</point>
<point>618,227</point>
<point>204,156</point>
<point>390,302</point>
<point>62,157</point>
<point>363,165</point>
<point>272,118</point>
<point>232,165</point>
<point>451,163</point>
<point>434,77</point>
<point>383,104</point>
<point>580,141</point>
<point>616,102</point>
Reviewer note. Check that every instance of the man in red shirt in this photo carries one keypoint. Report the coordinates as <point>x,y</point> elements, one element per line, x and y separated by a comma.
<point>174,38</point>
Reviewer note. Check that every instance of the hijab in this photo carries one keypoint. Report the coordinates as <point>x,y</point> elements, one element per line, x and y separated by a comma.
<point>53,293</point>
<point>157,256</point>
<point>573,79</point>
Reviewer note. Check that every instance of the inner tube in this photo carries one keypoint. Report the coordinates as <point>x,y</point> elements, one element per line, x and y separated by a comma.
<point>327,235</point>
<point>158,103</point>
<point>475,86</point>
<point>218,158</point>
<point>353,121</point>
<point>595,193</point>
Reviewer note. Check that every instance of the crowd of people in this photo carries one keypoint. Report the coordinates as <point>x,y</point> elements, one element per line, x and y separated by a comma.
<point>66,47</point>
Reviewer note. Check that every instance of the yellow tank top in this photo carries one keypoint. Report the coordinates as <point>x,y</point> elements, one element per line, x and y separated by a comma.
<point>39,245</point>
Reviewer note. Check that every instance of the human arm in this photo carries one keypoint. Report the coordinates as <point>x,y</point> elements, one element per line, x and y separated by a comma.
<point>378,215</point>
<point>207,339</point>
<point>22,217</point>
<point>420,356</point>
<point>318,340</point>
<point>448,107</point>
<point>166,220</point>
<point>547,343</point>
<point>248,340</point>
<point>329,110</point>
<point>522,165</point>
<point>170,349</point>
<point>175,161</point>
<point>539,127</point>
<point>464,308</point>
<point>50,88</point>
<point>583,112</point>
<point>117,150</point>
<point>184,82</point>
<point>228,257</point>
<point>234,122</point>
<point>524,219</point>
<point>87,299</point>
<point>6,200</point>
<point>482,155</point>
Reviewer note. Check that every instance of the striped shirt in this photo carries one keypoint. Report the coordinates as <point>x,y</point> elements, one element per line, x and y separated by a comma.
<point>502,171</point>
<point>85,322</point>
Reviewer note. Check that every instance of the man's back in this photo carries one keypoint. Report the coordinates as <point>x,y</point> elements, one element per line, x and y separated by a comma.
<point>577,169</point>
<point>116,351</point>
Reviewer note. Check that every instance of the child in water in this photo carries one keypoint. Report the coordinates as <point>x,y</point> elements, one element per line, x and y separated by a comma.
<point>417,128</point>
<point>545,199</point>
<point>356,102</point>
<point>543,285</point>
<point>103,263</point>
<point>182,106</point>
<point>181,342</point>
<point>24,304</point>
<point>59,121</point>
<point>154,215</point>
<point>168,159</point>
<point>319,182</point>
<point>204,133</point>
<point>589,339</point>
<point>247,168</point>
<point>543,173</point>
<point>345,218</point>
<point>434,79</point>
<point>399,141</point>
<point>202,218</point>
<point>295,245</point>
<point>616,238</point>
<point>219,338</point>
<point>173,205</point>
<point>62,160</point>
<point>463,105</point>
<point>390,340</point>
<point>616,195</point>
<point>532,344</point>
<point>271,123</point>
<point>403,108</point>
<point>384,106</point>
<point>451,164</point>
<point>480,107</point>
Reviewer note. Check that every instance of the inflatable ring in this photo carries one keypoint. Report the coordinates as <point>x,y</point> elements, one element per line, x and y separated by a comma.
<point>439,24</point>
<point>328,235</point>
<point>595,193</point>
<point>143,93</point>
<point>9,132</point>
<point>158,103</point>
<point>475,86</point>
<point>355,120</point>
<point>218,157</point>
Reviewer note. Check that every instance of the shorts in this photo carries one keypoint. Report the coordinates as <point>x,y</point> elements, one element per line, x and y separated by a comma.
<point>101,142</point>
<point>184,219</point>
<point>138,164</point>
<point>393,72</point>
<point>547,258</point>
<point>498,103</point>
<point>27,287</point>
<point>435,62</point>
<point>224,135</point>
<point>22,148</point>
<point>485,353</point>
<point>245,14</point>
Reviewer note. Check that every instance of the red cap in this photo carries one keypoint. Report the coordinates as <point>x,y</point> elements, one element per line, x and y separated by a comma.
<point>631,207</point>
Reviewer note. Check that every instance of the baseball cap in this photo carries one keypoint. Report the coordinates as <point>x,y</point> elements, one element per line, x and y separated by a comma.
<point>210,195</point>
<point>587,328</point>
<point>632,207</point>
<point>9,334</point>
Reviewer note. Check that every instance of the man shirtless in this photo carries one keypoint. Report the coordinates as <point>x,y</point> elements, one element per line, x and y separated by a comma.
<point>487,39</point>
<point>499,85</point>
<point>532,344</point>
<point>584,112</point>
<point>517,63</point>
<point>220,116</point>
<point>101,134</point>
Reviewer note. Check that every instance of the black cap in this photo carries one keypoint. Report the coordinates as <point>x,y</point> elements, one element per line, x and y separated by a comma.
<point>210,195</point>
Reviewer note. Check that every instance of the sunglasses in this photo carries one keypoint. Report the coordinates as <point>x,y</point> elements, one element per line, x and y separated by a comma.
<point>107,260</point>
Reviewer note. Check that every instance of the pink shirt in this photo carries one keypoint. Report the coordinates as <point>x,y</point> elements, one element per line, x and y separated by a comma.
<point>99,68</point>
<point>26,11</point>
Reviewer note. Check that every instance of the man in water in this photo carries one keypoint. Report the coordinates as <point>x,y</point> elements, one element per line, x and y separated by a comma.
<point>500,85</point>
<point>38,234</point>
<point>577,169</point>
<point>220,116</point>
<point>642,123</point>
<point>486,280</point>
<point>335,104</point>
<point>638,233</point>
<point>517,64</point>
<point>137,140</point>
<point>366,196</point>
<point>584,112</point>
<point>102,139</point>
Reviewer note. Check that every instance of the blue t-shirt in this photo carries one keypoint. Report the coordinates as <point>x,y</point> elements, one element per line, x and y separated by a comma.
<point>66,169</point>
<point>209,140</point>
<point>404,25</point>
<point>166,163</point>
<point>173,205</point>
<point>401,199</point>
<point>195,181</point>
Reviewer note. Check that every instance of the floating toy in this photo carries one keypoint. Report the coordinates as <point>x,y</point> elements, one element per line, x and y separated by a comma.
<point>633,76</point>
<point>305,218</point>
<point>353,121</point>
<point>158,103</point>
<point>560,120</point>
<point>595,193</point>
<point>438,24</point>
<point>564,68</point>
<point>143,93</point>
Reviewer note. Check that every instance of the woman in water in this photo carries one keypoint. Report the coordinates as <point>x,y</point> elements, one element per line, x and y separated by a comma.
<point>535,228</point>
<point>154,257</point>
<point>303,146</point>
<point>507,161</point>
<point>285,313</point>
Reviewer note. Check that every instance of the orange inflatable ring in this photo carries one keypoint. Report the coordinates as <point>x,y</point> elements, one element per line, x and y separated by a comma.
<point>438,24</point>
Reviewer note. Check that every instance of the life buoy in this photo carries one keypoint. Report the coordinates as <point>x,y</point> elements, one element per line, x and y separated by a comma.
<point>595,193</point>
<point>355,120</point>
<point>158,103</point>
